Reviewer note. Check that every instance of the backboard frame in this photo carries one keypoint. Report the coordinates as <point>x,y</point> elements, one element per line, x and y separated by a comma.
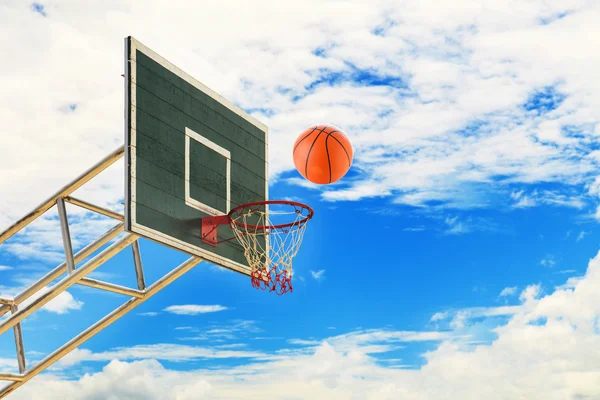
<point>131,225</point>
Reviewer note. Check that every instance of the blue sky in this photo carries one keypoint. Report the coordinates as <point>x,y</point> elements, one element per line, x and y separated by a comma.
<point>462,245</point>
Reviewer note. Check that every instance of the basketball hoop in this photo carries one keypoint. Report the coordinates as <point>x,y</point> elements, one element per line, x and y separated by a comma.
<point>271,233</point>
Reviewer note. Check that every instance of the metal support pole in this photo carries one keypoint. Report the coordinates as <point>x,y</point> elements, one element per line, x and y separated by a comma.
<point>111,287</point>
<point>65,191</point>
<point>66,235</point>
<point>95,208</point>
<point>137,262</point>
<point>7,302</point>
<point>67,282</point>
<point>100,325</point>
<point>11,377</point>
<point>19,344</point>
<point>58,271</point>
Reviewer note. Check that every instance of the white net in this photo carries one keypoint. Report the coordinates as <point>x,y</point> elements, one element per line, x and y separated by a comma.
<point>271,236</point>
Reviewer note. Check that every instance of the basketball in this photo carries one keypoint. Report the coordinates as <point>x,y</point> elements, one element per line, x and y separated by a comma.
<point>323,154</point>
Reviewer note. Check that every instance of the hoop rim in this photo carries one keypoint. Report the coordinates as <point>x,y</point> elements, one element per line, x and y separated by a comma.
<point>267,202</point>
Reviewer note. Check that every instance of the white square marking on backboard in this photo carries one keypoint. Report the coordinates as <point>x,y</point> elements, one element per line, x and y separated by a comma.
<point>190,134</point>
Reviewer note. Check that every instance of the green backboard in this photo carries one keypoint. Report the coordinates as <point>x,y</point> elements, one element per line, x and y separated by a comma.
<point>189,154</point>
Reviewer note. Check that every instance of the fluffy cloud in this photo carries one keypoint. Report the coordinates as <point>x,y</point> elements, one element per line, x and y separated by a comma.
<point>440,99</point>
<point>163,351</point>
<point>219,332</point>
<point>61,304</point>
<point>545,350</point>
<point>149,314</point>
<point>193,309</point>
<point>318,275</point>
<point>508,291</point>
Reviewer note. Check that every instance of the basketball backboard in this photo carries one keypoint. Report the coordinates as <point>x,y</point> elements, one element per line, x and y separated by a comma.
<point>189,154</point>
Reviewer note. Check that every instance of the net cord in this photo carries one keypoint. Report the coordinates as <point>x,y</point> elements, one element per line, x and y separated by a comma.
<point>269,250</point>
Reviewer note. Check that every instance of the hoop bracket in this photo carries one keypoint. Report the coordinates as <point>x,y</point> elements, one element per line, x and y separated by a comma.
<point>209,228</point>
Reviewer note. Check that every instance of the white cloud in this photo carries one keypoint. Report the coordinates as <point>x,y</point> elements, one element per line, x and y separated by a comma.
<point>547,197</point>
<point>548,261</point>
<point>530,293</point>
<point>5,268</point>
<point>63,303</point>
<point>230,330</point>
<point>149,314</point>
<point>414,229</point>
<point>194,309</point>
<point>439,316</point>
<point>526,201</point>
<point>571,283</point>
<point>543,351</point>
<point>458,226</point>
<point>472,324</point>
<point>581,235</point>
<point>428,117</point>
<point>508,291</point>
<point>594,187</point>
<point>457,229</point>
<point>516,195</point>
<point>460,319</point>
<point>304,342</point>
<point>219,269</point>
<point>8,363</point>
<point>231,346</point>
<point>379,341</point>
<point>568,234</point>
<point>161,351</point>
<point>373,341</point>
<point>318,275</point>
<point>566,271</point>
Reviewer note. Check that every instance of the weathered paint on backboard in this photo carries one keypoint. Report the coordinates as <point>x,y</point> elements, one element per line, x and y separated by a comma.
<point>189,153</point>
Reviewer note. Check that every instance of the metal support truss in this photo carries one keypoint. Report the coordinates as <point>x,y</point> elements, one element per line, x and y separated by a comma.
<point>76,275</point>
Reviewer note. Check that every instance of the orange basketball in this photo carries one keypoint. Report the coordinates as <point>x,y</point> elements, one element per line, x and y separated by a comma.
<point>323,154</point>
